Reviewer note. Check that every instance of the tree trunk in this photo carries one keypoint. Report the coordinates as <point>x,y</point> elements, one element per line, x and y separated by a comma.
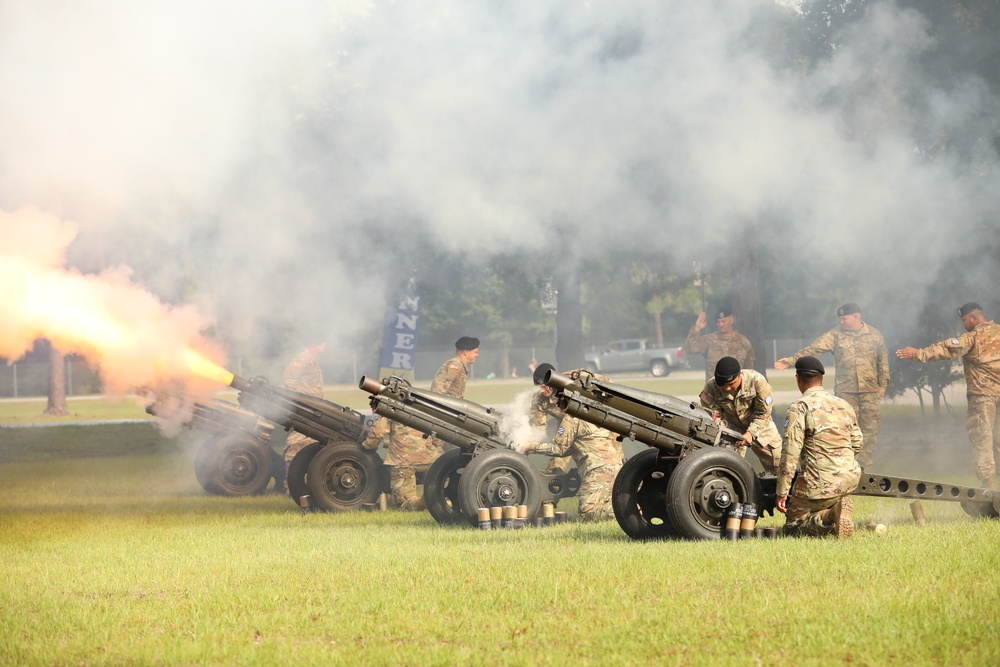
<point>658,326</point>
<point>57,383</point>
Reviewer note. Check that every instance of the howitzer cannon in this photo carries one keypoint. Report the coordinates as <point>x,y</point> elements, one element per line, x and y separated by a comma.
<point>335,471</point>
<point>684,485</point>
<point>236,459</point>
<point>482,470</point>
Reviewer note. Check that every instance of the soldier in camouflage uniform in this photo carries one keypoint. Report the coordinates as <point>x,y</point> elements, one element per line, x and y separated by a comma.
<point>818,470</point>
<point>598,455</point>
<point>979,349</point>
<point>542,410</point>
<point>409,453</point>
<point>454,373</point>
<point>862,366</point>
<point>725,342</point>
<point>742,399</point>
<point>303,375</point>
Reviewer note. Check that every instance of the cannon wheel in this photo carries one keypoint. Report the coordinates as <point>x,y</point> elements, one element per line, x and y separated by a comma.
<point>441,487</point>
<point>639,497</point>
<point>702,488</point>
<point>237,465</point>
<point>497,478</point>
<point>298,470</point>
<point>342,476</point>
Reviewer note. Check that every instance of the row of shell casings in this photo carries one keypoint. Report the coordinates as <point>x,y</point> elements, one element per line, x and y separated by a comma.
<point>511,516</point>
<point>741,523</point>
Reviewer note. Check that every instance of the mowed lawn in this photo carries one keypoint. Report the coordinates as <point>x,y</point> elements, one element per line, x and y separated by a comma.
<point>113,555</point>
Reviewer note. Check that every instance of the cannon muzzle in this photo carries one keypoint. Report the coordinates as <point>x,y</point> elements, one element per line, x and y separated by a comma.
<point>556,380</point>
<point>240,384</point>
<point>370,385</point>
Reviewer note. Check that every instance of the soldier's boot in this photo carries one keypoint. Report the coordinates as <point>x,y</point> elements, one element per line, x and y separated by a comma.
<point>841,518</point>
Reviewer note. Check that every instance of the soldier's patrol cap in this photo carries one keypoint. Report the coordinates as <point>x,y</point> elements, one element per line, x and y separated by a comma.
<point>848,309</point>
<point>968,308</point>
<point>539,375</point>
<point>726,370</point>
<point>809,367</point>
<point>723,311</point>
<point>466,343</point>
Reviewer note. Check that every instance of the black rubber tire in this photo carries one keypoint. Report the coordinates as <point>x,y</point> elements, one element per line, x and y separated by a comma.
<point>206,464</point>
<point>298,470</point>
<point>241,466</point>
<point>441,487</point>
<point>278,472</point>
<point>639,497</point>
<point>343,476</point>
<point>702,476</point>
<point>497,478</point>
<point>659,368</point>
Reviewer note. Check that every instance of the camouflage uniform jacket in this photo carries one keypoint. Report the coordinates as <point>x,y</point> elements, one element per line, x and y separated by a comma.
<point>861,357</point>
<point>980,353</point>
<point>590,446</point>
<point>304,375</point>
<point>749,410</point>
<point>451,378</point>
<point>822,438</point>
<point>407,446</point>
<point>717,345</point>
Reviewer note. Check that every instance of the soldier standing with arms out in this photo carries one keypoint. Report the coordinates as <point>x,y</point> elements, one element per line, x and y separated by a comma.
<point>979,349</point>
<point>302,374</point>
<point>742,399</point>
<point>862,366</point>
<point>725,342</point>
<point>454,373</point>
<point>598,455</point>
<point>822,438</point>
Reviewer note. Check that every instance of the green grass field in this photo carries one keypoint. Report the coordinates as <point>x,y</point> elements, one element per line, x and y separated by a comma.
<point>113,555</point>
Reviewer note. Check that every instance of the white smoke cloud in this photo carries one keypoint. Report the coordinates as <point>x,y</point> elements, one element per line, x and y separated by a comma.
<point>303,150</point>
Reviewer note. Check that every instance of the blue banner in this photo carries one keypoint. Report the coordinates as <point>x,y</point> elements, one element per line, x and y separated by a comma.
<point>399,343</point>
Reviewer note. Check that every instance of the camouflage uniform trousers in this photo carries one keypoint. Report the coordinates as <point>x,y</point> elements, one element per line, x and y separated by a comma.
<point>403,482</point>
<point>868,409</point>
<point>804,517</point>
<point>595,493</point>
<point>984,434</point>
<point>294,444</point>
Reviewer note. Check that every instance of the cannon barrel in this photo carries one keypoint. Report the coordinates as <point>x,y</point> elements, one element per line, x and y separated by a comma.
<point>312,416</point>
<point>212,416</point>
<point>465,424</point>
<point>654,419</point>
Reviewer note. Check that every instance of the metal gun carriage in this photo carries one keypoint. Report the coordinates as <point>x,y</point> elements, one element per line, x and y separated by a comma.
<point>336,472</point>
<point>481,469</point>
<point>236,459</point>
<point>692,475</point>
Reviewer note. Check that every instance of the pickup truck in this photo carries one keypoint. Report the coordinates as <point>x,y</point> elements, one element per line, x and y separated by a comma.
<point>634,355</point>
